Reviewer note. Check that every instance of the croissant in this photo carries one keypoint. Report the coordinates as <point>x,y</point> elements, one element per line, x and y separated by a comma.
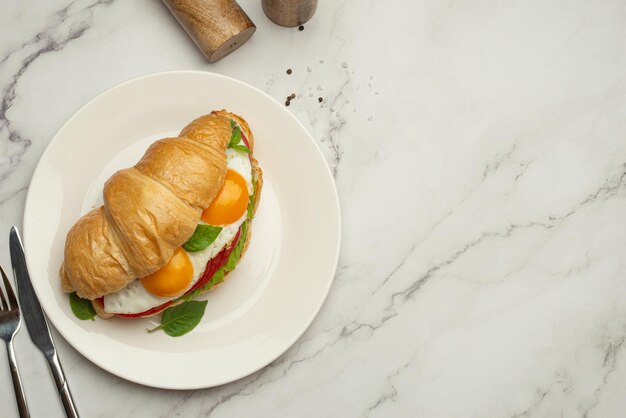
<point>150,209</point>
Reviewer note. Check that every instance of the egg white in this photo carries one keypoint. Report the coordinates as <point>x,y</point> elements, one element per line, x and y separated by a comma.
<point>134,298</point>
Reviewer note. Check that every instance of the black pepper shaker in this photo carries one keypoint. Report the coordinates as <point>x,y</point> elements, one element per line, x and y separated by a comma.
<point>289,13</point>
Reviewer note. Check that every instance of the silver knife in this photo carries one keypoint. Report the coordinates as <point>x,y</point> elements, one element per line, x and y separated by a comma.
<point>36,321</point>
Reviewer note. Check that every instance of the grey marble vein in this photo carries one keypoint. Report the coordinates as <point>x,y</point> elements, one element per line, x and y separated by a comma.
<point>46,41</point>
<point>336,124</point>
<point>609,365</point>
<point>482,264</point>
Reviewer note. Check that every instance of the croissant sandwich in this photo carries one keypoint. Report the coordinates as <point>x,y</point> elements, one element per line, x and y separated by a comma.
<point>171,227</point>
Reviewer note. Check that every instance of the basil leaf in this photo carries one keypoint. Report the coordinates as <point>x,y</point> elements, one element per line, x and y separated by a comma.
<point>214,280</point>
<point>189,296</point>
<point>236,253</point>
<point>232,260</point>
<point>180,319</point>
<point>242,148</point>
<point>235,138</point>
<point>202,237</point>
<point>252,200</point>
<point>82,308</point>
<point>217,278</point>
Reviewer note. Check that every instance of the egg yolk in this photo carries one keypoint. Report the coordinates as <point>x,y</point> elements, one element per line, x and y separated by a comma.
<point>173,278</point>
<point>231,201</point>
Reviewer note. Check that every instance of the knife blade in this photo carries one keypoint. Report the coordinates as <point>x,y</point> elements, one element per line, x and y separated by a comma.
<point>36,321</point>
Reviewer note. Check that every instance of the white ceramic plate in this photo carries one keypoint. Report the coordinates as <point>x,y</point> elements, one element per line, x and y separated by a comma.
<point>266,303</point>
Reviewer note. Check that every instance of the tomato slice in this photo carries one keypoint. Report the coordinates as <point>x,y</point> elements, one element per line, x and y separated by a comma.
<point>212,266</point>
<point>216,263</point>
<point>245,140</point>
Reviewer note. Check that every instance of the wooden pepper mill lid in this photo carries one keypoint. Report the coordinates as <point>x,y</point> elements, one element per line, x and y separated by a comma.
<point>289,13</point>
<point>217,27</point>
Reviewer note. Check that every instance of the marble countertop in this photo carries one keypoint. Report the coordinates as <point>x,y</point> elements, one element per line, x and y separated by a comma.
<point>479,149</point>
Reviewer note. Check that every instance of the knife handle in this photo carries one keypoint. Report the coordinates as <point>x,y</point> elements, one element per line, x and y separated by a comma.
<point>17,383</point>
<point>62,387</point>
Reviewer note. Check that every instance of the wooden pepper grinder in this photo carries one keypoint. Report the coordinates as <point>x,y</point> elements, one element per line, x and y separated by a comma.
<point>217,27</point>
<point>289,13</point>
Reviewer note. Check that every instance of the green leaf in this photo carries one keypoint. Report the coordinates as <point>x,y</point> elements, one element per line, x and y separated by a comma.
<point>252,200</point>
<point>236,253</point>
<point>232,260</point>
<point>235,138</point>
<point>242,148</point>
<point>251,207</point>
<point>179,320</point>
<point>217,278</point>
<point>189,296</point>
<point>82,308</point>
<point>202,237</point>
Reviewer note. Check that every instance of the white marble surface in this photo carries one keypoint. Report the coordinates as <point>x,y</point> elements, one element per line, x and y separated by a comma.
<point>479,149</point>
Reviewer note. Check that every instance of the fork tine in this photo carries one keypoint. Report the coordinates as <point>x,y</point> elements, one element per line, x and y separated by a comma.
<point>3,303</point>
<point>9,289</point>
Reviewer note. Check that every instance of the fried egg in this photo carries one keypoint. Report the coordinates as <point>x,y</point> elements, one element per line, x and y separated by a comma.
<point>228,210</point>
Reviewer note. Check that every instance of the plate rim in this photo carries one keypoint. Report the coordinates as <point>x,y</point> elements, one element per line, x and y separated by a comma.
<point>296,336</point>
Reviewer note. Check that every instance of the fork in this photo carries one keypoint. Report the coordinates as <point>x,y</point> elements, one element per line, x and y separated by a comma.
<point>10,321</point>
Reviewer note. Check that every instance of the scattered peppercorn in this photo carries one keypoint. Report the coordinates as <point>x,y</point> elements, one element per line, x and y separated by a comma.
<point>319,99</point>
<point>292,96</point>
<point>287,102</point>
<point>289,71</point>
<point>301,28</point>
